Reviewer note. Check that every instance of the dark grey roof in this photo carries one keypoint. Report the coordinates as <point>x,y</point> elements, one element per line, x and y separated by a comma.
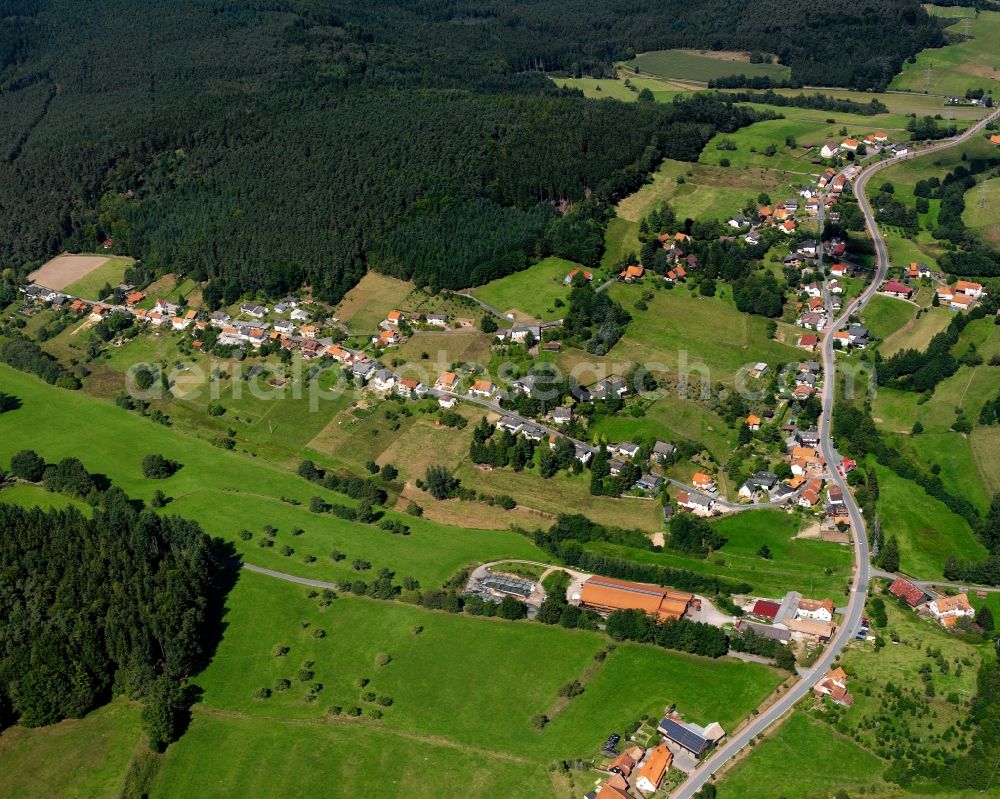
<point>680,734</point>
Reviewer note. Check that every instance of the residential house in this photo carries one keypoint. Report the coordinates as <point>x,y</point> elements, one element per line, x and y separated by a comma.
<point>908,592</point>
<point>759,370</point>
<point>178,322</point>
<point>829,150</point>
<point>408,387</point>
<point>649,483</point>
<point>447,401</point>
<point>894,288</point>
<point>300,315</point>
<point>284,327</point>
<point>850,144</point>
<point>394,318</point>
<point>752,238</point>
<point>385,338</point>
<point>840,270</point>
<point>626,761</point>
<point>759,481</point>
<point>807,248</point>
<point>363,369</point>
<point>482,388</point>
<point>834,687</point>
<point>654,769</point>
<point>446,382</point>
<point>699,504</point>
<point>437,319</point>
<point>704,482</point>
<point>383,380</point>
<point>815,610</point>
<point>254,310</point>
<point>960,302</point>
<point>808,342</point>
<point>974,290</point>
<point>519,335</point>
<point>561,415</point>
<point>753,422</point>
<point>788,227</point>
<point>838,184</point>
<point>134,298</point>
<point>858,335</point>
<point>626,449</point>
<point>525,385</point>
<point>949,609</point>
<point>807,437</point>
<point>662,450</point>
<point>588,276</point>
<point>632,273</point>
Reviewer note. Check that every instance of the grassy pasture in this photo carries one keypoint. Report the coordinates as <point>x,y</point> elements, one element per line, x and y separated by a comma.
<point>810,566</point>
<point>701,66</point>
<point>227,491</point>
<point>222,756</point>
<point>928,533</point>
<point>679,325</point>
<point>602,88</point>
<point>968,64</point>
<point>784,764</point>
<point>74,759</point>
<point>984,219</point>
<point>424,671</point>
<point>365,305</point>
<point>532,291</point>
<point>917,333</point>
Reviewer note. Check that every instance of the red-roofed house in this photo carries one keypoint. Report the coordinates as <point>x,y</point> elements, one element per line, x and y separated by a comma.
<point>808,342</point>
<point>896,289</point>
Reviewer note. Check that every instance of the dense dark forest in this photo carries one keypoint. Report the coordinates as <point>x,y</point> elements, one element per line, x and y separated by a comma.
<point>117,604</point>
<point>267,144</point>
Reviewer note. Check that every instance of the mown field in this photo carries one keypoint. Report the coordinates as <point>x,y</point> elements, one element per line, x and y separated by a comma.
<point>886,315</point>
<point>365,305</point>
<point>969,64</point>
<point>532,291</point>
<point>813,567</point>
<point>701,66</point>
<point>228,491</point>
<point>916,333</point>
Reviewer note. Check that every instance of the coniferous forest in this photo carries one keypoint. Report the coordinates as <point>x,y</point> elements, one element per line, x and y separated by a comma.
<point>91,608</point>
<point>263,145</point>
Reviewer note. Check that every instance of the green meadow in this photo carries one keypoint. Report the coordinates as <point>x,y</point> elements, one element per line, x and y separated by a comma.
<point>112,273</point>
<point>532,291</point>
<point>982,210</point>
<point>606,89</point>
<point>885,315</point>
<point>811,566</point>
<point>927,531</point>
<point>424,671</point>
<point>967,64</point>
<point>700,66</point>
<point>682,329</point>
<point>230,491</point>
<point>74,759</point>
<point>784,764</point>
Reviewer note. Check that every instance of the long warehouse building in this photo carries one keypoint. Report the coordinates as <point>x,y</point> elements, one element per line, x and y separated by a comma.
<point>606,594</point>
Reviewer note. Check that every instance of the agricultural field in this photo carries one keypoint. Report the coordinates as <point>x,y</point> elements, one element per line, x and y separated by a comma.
<point>927,531</point>
<point>81,275</point>
<point>811,566</point>
<point>229,491</point>
<point>784,764</point>
<point>707,335</point>
<point>701,66</point>
<point>968,64</point>
<point>982,210</point>
<point>74,759</point>
<point>532,292</point>
<point>365,305</point>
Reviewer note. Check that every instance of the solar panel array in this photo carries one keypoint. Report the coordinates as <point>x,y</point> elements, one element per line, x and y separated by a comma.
<point>507,584</point>
<point>685,737</point>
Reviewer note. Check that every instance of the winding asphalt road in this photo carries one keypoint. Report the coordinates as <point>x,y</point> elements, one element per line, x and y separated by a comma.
<point>862,568</point>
